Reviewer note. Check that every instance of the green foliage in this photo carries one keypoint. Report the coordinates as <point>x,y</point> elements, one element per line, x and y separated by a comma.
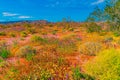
<point>117,34</point>
<point>112,10</point>
<point>27,52</point>
<point>106,66</point>
<point>108,39</point>
<point>90,48</point>
<point>96,15</point>
<point>24,34</point>
<point>109,13</point>
<point>54,32</point>
<point>12,34</point>
<point>38,39</point>
<point>71,29</point>
<point>77,75</point>
<point>2,34</point>
<point>4,51</point>
<point>93,27</point>
<point>31,30</point>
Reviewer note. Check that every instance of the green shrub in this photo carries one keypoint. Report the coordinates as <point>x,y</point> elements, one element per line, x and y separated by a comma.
<point>4,51</point>
<point>78,75</point>
<point>106,66</point>
<point>27,52</point>
<point>2,62</point>
<point>90,48</point>
<point>38,39</point>
<point>24,34</point>
<point>2,34</point>
<point>102,33</point>
<point>31,30</point>
<point>117,34</point>
<point>54,32</point>
<point>93,27</point>
<point>12,34</point>
<point>108,39</point>
<point>71,29</point>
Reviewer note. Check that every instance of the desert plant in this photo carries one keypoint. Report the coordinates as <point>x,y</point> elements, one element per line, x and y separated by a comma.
<point>12,34</point>
<point>31,30</point>
<point>106,66</point>
<point>117,34</point>
<point>38,39</point>
<point>108,39</point>
<point>26,51</point>
<point>93,27</point>
<point>4,51</point>
<point>2,33</point>
<point>71,29</point>
<point>78,75</point>
<point>54,32</point>
<point>90,48</point>
<point>23,34</point>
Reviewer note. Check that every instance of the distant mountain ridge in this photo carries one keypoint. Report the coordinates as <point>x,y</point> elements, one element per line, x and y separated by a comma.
<point>29,21</point>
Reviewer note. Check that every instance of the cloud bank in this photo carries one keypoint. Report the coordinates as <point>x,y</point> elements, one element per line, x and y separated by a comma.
<point>98,2</point>
<point>9,14</point>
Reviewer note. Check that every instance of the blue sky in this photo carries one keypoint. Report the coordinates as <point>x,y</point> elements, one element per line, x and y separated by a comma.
<point>51,10</point>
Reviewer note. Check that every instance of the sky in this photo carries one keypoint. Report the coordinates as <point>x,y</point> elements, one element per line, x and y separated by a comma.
<point>51,10</point>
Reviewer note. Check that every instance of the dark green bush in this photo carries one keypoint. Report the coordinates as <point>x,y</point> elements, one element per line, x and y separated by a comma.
<point>93,27</point>
<point>12,34</point>
<point>24,34</point>
<point>78,75</point>
<point>4,51</point>
<point>117,34</point>
<point>2,34</point>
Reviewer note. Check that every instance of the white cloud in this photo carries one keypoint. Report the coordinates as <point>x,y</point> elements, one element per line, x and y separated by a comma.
<point>23,17</point>
<point>9,14</point>
<point>98,2</point>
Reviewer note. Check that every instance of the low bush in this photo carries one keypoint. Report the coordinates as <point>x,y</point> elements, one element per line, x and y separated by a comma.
<point>106,66</point>
<point>23,34</point>
<point>93,27</point>
<point>2,34</point>
<point>117,34</point>
<point>27,52</point>
<point>54,32</point>
<point>108,39</point>
<point>90,48</point>
<point>4,51</point>
<point>71,29</point>
<point>12,34</point>
<point>38,39</point>
<point>78,75</point>
<point>31,30</point>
